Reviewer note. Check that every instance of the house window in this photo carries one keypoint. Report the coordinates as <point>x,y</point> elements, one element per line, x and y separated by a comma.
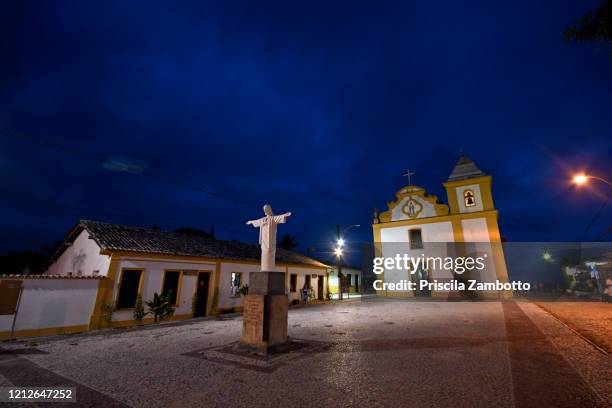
<point>308,285</point>
<point>349,279</point>
<point>416,240</point>
<point>236,282</point>
<point>293,283</point>
<point>469,198</point>
<point>128,288</point>
<point>170,286</point>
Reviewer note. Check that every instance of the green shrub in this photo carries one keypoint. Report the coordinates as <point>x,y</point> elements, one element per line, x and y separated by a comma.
<point>244,290</point>
<point>160,307</point>
<point>139,312</point>
<point>107,312</point>
<point>194,304</point>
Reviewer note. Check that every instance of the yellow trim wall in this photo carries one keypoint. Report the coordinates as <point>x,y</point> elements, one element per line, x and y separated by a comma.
<point>47,331</point>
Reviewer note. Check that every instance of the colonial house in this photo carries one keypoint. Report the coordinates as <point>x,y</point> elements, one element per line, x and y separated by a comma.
<point>417,224</point>
<point>353,276</point>
<point>203,276</point>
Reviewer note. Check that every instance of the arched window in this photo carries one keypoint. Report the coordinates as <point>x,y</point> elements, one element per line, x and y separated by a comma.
<point>469,198</point>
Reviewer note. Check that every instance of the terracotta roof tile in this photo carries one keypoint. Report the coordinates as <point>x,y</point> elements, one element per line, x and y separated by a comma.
<point>116,237</point>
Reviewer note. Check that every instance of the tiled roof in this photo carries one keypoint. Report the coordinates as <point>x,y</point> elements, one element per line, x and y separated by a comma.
<point>114,237</point>
<point>465,169</point>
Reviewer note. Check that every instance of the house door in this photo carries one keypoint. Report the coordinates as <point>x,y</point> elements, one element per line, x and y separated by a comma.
<point>202,294</point>
<point>320,287</point>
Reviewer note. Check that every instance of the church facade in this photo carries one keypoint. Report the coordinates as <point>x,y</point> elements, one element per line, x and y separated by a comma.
<point>419,225</point>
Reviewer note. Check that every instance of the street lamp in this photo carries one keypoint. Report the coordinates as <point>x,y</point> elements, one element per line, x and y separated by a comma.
<point>338,252</point>
<point>349,227</point>
<point>581,179</point>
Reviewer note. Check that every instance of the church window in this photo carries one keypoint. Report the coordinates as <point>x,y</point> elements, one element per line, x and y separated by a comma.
<point>128,288</point>
<point>416,240</point>
<point>293,283</point>
<point>469,198</point>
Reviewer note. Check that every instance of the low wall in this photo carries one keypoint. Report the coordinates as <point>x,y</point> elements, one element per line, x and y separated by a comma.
<point>51,305</point>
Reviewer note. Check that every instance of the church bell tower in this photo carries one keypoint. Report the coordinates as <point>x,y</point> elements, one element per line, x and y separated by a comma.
<point>468,188</point>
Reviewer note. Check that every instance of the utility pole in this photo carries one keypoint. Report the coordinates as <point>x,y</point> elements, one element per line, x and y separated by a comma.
<point>339,257</point>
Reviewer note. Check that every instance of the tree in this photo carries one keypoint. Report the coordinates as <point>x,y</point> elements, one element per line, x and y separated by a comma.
<point>17,263</point>
<point>593,26</point>
<point>287,242</point>
<point>198,232</point>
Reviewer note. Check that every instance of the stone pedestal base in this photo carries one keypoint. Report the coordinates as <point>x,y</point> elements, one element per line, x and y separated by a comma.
<point>264,326</point>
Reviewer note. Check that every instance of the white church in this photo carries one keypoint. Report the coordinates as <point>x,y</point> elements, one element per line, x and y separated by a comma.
<point>418,225</point>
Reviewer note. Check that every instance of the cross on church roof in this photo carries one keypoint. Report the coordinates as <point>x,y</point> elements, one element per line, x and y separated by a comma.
<point>408,174</point>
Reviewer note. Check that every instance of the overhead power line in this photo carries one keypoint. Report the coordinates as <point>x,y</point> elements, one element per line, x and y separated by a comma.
<point>158,177</point>
<point>53,144</point>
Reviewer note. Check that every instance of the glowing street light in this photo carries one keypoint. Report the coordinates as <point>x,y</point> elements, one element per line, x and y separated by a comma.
<point>338,252</point>
<point>580,179</point>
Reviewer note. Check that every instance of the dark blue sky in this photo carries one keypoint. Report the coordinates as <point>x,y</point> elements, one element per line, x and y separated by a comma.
<point>318,110</point>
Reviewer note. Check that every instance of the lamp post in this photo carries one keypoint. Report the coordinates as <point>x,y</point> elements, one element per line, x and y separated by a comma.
<point>338,251</point>
<point>581,179</point>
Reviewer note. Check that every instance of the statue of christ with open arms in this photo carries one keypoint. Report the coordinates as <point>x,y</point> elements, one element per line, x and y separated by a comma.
<point>267,236</point>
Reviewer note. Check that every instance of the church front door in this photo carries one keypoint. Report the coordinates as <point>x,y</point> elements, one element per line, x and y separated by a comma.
<point>422,275</point>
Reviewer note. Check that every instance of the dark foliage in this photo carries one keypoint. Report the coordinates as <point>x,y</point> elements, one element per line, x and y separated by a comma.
<point>595,25</point>
<point>18,262</point>
<point>197,232</point>
<point>160,307</point>
<point>287,242</point>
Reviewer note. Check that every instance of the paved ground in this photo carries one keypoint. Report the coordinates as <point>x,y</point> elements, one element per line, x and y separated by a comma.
<point>592,320</point>
<point>364,353</point>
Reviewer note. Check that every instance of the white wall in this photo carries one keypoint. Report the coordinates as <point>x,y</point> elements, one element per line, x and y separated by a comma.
<point>475,230</point>
<point>301,279</point>
<point>333,276</point>
<point>226,299</point>
<point>153,271</point>
<point>48,303</point>
<point>435,237</point>
<point>428,209</point>
<point>476,233</point>
<point>82,259</point>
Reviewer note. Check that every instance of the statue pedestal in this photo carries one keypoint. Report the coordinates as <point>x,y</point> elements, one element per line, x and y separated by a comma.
<point>264,326</point>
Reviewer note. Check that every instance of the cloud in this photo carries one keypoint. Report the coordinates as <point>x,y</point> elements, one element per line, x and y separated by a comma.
<point>124,165</point>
